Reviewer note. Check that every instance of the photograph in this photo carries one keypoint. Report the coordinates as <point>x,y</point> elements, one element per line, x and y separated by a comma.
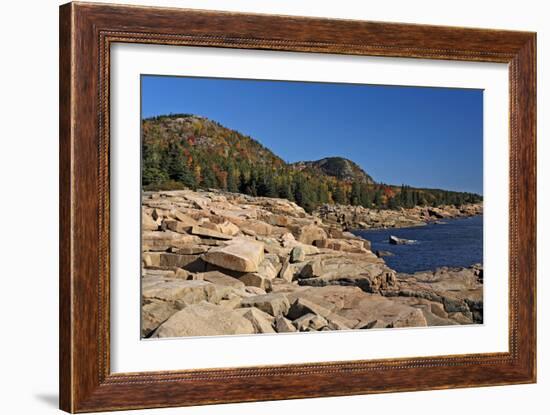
<point>272,206</point>
<point>259,204</point>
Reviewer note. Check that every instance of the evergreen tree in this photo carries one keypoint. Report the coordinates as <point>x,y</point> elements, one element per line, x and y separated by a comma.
<point>243,182</point>
<point>208,179</point>
<point>323,193</point>
<point>366,197</point>
<point>252,188</point>
<point>271,187</point>
<point>339,194</point>
<point>355,196</point>
<point>402,195</point>
<point>178,170</point>
<point>152,171</point>
<point>409,202</point>
<point>232,181</point>
<point>393,203</point>
<point>378,200</point>
<point>304,194</point>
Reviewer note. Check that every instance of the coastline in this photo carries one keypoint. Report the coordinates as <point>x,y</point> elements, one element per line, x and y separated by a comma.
<point>455,242</point>
<point>264,265</point>
<point>360,218</point>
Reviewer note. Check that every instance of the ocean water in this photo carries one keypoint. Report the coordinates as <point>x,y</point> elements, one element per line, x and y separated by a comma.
<point>457,243</point>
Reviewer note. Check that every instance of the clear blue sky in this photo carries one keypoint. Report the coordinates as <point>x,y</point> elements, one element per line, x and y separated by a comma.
<point>423,137</point>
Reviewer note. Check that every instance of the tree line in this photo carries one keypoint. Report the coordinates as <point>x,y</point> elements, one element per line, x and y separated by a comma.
<point>174,157</point>
<point>174,169</point>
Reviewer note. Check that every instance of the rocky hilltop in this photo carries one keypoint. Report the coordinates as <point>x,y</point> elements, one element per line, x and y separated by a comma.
<point>339,167</point>
<point>219,263</point>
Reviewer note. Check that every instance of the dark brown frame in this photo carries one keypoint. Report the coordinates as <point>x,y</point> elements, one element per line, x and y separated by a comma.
<point>86,33</point>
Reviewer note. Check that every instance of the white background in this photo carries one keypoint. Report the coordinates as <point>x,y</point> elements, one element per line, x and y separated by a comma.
<point>129,354</point>
<point>29,208</point>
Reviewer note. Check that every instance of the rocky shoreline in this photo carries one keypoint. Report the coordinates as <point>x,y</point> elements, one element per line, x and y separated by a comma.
<point>358,217</point>
<point>217,263</point>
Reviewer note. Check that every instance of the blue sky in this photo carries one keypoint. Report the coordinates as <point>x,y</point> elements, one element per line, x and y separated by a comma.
<point>423,137</point>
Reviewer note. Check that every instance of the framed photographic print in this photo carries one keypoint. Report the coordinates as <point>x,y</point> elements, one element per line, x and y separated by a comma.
<point>260,207</point>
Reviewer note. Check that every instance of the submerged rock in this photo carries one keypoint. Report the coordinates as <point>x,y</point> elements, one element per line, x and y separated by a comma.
<point>394,240</point>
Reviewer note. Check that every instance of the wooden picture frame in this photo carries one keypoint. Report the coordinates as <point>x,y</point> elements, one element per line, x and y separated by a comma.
<point>86,33</point>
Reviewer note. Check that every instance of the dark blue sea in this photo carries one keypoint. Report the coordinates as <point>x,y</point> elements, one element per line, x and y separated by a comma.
<point>457,243</point>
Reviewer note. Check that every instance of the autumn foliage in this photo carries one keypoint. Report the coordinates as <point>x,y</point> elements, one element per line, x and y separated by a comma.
<point>182,150</point>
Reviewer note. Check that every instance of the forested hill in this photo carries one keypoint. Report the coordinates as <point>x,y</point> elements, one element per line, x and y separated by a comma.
<point>183,150</point>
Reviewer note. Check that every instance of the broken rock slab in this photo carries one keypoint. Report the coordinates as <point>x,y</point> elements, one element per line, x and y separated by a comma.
<point>275,304</point>
<point>209,233</point>
<point>262,322</point>
<point>179,292</point>
<point>153,314</point>
<point>253,279</point>
<point>284,325</point>
<point>218,278</point>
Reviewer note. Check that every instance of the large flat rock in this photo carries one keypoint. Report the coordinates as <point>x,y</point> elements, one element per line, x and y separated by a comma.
<point>458,290</point>
<point>362,270</point>
<point>358,308</point>
<point>178,292</point>
<point>218,278</point>
<point>164,240</point>
<point>209,233</point>
<point>204,319</point>
<point>241,255</point>
<point>192,263</point>
<point>346,245</point>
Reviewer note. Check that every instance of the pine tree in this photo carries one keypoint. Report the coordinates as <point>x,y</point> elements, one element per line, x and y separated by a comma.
<point>355,195</point>
<point>178,170</point>
<point>243,183</point>
<point>393,203</point>
<point>152,171</point>
<point>366,197</point>
<point>208,179</point>
<point>409,202</point>
<point>323,193</point>
<point>285,190</point>
<point>232,182</point>
<point>271,187</point>
<point>252,188</point>
<point>378,200</point>
<point>339,194</point>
